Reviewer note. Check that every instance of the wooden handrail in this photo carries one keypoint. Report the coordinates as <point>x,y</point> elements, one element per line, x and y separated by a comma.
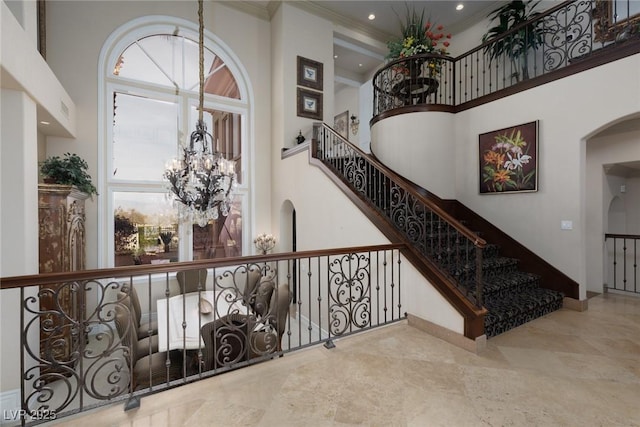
<point>622,236</point>
<point>139,270</point>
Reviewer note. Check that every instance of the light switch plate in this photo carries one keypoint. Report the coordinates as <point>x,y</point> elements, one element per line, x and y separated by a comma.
<point>566,224</point>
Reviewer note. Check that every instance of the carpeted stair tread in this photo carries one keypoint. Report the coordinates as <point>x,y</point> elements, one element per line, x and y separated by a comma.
<point>515,309</point>
<point>514,281</point>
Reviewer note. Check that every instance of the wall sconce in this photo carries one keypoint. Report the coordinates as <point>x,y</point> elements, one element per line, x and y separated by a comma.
<point>355,123</point>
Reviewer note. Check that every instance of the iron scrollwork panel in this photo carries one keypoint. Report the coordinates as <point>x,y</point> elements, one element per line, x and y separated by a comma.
<point>568,35</point>
<point>350,293</point>
<point>61,368</point>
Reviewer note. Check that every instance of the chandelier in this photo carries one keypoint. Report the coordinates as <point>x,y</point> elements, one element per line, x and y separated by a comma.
<point>202,181</point>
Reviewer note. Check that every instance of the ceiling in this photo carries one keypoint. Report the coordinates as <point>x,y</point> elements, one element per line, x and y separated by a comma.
<point>356,61</point>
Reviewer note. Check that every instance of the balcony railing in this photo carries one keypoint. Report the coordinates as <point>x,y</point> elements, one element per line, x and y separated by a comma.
<point>556,43</point>
<point>622,256</point>
<point>116,334</point>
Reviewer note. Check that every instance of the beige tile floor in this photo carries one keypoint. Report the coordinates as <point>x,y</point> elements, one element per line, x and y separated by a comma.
<point>566,369</point>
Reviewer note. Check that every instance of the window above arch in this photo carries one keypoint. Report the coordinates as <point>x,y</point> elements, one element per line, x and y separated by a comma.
<point>172,61</point>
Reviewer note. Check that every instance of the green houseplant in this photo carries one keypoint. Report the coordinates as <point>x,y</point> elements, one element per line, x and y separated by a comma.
<point>419,36</point>
<point>68,170</point>
<point>517,45</point>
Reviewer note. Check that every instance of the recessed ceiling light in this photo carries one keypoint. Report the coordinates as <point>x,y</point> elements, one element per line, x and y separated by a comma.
<point>335,56</point>
<point>44,123</point>
<point>359,65</point>
<point>460,6</point>
<point>372,17</point>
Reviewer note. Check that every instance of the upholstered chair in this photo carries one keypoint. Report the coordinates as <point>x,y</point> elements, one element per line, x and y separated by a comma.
<point>190,279</point>
<point>225,341</point>
<point>242,281</point>
<point>127,327</point>
<point>144,329</point>
<point>148,368</point>
<point>266,335</point>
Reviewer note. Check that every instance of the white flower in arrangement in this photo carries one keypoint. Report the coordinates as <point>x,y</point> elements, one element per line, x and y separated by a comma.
<point>265,242</point>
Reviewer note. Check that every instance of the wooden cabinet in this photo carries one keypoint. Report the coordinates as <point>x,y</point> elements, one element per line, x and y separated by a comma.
<point>61,221</point>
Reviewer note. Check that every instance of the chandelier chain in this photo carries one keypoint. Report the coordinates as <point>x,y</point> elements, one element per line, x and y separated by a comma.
<point>201,58</point>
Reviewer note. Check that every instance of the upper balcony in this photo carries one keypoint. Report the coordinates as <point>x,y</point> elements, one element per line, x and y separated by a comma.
<point>566,39</point>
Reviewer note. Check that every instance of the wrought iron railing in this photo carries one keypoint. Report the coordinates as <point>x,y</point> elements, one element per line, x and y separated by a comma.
<point>443,241</point>
<point>557,38</point>
<point>621,260</point>
<point>136,330</point>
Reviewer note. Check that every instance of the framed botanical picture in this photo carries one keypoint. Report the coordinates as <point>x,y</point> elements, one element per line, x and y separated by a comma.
<point>309,104</point>
<point>341,124</point>
<point>509,159</point>
<point>309,73</point>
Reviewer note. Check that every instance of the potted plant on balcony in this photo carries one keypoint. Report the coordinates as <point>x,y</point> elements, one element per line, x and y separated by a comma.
<point>68,170</point>
<point>418,37</point>
<point>516,46</point>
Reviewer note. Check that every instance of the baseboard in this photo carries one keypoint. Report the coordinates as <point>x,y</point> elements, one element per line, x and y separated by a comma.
<point>10,407</point>
<point>474,346</point>
<point>575,304</point>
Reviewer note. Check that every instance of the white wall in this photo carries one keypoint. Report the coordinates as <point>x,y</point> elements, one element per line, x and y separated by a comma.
<point>326,218</point>
<point>346,99</point>
<point>298,33</point>
<point>600,192</point>
<point>567,114</point>
<point>420,147</point>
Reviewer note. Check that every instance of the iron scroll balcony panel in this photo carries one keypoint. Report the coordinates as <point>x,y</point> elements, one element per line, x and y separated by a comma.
<point>570,37</point>
<point>256,310</point>
<point>442,240</point>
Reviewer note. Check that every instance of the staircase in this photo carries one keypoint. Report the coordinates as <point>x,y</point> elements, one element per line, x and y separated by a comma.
<point>481,271</point>
<point>512,297</point>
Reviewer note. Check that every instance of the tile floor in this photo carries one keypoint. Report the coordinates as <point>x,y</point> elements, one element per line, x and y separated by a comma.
<point>566,369</point>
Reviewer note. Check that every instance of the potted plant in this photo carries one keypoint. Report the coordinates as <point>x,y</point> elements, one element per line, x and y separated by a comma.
<point>419,37</point>
<point>517,45</point>
<point>68,170</point>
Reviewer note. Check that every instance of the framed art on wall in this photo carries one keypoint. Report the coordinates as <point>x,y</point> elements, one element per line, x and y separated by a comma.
<point>309,73</point>
<point>508,159</point>
<point>341,124</point>
<point>309,104</point>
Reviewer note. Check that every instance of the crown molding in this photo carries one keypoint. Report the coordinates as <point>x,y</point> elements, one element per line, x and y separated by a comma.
<point>259,9</point>
<point>316,8</point>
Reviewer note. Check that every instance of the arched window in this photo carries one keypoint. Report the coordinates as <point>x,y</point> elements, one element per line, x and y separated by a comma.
<point>150,87</point>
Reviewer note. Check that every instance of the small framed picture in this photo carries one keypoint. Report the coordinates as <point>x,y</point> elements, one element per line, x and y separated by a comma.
<point>309,104</point>
<point>309,73</point>
<point>341,124</point>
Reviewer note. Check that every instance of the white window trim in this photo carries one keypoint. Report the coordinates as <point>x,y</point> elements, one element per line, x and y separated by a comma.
<point>113,46</point>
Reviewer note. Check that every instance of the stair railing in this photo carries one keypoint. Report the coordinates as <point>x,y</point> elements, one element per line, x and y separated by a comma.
<point>443,241</point>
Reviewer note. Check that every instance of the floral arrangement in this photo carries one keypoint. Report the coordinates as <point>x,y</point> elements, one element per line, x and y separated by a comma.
<point>419,37</point>
<point>265,242</point>
<point>504,164</point>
